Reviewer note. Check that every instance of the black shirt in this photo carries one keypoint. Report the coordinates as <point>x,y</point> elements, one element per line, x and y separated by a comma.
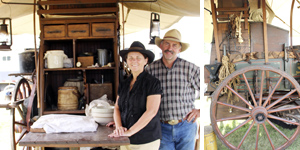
<point>132,105</point>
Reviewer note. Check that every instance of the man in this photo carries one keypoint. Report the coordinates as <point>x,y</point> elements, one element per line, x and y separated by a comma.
<point>180,80</point>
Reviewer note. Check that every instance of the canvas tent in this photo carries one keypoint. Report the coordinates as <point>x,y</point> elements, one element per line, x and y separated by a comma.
<point>136,13</point>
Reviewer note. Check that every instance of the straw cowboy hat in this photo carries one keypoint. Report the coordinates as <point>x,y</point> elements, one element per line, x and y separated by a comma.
<point>137,46</point>
<point>172,35</point>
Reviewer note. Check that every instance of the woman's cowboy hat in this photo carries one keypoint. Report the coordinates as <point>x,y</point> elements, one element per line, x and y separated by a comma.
<point>137,46</point>
<point>172,35</point>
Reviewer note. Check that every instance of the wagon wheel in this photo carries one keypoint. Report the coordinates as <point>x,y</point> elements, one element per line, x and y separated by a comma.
<point>18,120</point>
<point>257,113</point>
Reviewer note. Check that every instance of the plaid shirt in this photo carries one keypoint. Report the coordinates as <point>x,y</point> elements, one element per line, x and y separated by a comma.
<point>178,84</point>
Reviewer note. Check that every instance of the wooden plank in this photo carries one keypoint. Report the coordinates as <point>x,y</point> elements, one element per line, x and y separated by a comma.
<point>232,9</point>
<point>246,13</point>
<point>224,111</point>
<point>86,139</point>
<point>79,11</point>
<point>277,37</point>
<point>227,16</point>
<point>67,2</point>
<point>213,9</point>
<point>265,31</point>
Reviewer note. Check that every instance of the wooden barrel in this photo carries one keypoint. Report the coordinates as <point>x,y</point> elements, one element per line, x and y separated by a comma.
<point>67,98</point>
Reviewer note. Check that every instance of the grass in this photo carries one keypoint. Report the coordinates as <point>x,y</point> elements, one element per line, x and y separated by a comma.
<point>249,142</point>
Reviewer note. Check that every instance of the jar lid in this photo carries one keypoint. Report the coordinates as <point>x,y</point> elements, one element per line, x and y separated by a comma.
<point>68,88</point>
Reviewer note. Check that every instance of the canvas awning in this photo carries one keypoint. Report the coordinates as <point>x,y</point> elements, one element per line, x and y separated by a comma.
<point>138,18</point>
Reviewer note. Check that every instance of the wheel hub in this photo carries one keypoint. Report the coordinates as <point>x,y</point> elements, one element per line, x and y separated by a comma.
<point>259,114</point>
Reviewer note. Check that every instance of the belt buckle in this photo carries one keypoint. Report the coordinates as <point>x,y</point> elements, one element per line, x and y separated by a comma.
<point>173,122</point>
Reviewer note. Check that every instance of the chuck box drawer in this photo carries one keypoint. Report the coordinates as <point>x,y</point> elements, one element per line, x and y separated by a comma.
<point>78,30</point>
<point>54,31</point>
<point>103,29</point>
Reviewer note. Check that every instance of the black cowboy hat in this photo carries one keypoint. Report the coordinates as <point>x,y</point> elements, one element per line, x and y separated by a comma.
<point>137,46</point>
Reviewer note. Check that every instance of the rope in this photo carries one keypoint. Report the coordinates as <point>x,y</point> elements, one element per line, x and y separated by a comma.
<point>226,69</point>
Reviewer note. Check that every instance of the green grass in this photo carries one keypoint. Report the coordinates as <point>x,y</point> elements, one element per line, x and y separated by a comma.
<point>249,142</point>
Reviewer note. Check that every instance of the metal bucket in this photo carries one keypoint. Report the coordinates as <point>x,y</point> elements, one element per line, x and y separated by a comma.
<point>210,142</point>
<point>26,61</point>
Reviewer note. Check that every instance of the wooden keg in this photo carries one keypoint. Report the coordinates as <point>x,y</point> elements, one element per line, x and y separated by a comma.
<point>67,98</point>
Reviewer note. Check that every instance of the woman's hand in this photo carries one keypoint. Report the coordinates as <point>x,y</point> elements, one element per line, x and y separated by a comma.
<point>112,123</point>
<point>119,131</point>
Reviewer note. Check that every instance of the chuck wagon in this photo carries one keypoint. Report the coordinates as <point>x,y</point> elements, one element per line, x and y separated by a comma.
<point>253,77</point>
<point>78,29</point>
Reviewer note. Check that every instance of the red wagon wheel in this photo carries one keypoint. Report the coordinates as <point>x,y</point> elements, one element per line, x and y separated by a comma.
<point>18,120</point>
<point>257,113</point>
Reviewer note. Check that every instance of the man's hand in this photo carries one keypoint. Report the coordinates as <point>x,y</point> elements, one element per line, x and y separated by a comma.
<point>194,114</point>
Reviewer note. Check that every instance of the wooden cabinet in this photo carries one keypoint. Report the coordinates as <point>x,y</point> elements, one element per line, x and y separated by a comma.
<point>77,36</point>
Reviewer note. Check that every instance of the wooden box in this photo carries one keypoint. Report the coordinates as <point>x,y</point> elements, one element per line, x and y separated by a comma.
<point>78,30</point>
<point>98,90</point>
<point>103,29</point>
<point>86,61</point>
<point>54,31</point>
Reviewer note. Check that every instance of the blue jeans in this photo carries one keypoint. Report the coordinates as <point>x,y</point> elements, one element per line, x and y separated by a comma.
<point>178,137</point>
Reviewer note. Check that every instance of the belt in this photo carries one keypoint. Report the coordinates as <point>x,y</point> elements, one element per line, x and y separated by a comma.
<point>172,122</point>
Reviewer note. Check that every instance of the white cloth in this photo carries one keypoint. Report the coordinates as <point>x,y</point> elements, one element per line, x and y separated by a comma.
<point>58,123</point>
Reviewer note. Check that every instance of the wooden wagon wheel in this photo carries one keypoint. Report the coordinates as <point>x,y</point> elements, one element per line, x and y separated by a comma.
<point>22,91</point>
<point>257,113</point>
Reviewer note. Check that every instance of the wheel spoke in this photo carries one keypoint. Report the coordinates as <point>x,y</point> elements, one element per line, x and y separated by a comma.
<point>261,87</point>
<point>250,91</point>
<point>233,118</point>
<point>20,112</point>
<point>257,136</point>
<point>24,131</point>
<point>283,109</point>
<point>273,90</point>
<point>246,134</point>
<point>234,106</point>
<point>282,98</point>
<point>20,124</point>
<point>239,126</point>
<point>238,95</point>
<point>268,135</point>
<point>284,120</point>
<point>277,129</point>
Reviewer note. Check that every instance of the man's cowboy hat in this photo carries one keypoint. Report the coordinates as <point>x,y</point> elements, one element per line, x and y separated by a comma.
<point>137,46</point>
<point>172,35</point>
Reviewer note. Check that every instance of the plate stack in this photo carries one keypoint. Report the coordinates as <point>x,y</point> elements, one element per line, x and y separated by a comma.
<point>102,114</point>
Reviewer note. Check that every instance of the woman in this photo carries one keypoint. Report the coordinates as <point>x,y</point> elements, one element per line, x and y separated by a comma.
<point>136,109</point>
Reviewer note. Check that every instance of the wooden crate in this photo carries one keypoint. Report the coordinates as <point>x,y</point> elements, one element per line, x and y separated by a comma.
<point>86,61</point>
<point>98,90</point>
